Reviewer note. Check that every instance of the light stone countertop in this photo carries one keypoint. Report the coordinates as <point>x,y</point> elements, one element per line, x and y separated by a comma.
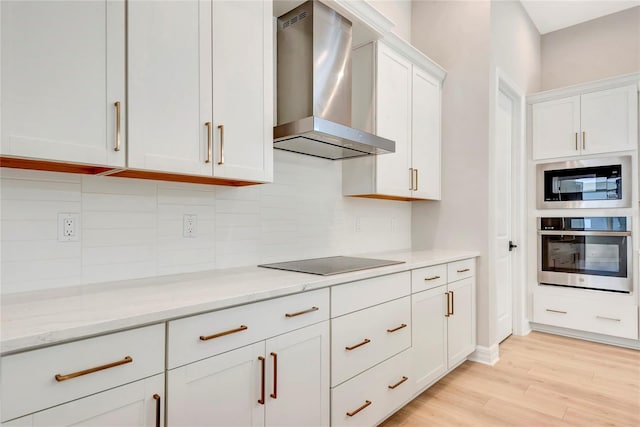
<point>34,319</point>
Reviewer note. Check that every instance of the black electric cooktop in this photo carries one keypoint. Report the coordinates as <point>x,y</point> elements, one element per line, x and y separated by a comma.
<point>331,265</point>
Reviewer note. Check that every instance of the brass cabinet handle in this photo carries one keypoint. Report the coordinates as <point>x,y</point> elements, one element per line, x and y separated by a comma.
<point>464,270</point>
<point>222,334</point>
<point>157,399</point>
<point>448,304</point>
<point>432,278</point>
<point>353,347</point>
<point>453,304</point>
<point>556,311</point>
<point>391,387</point>
<point>416,171</point>
<point>397,328</point>
<point>124,361</point>
<point>584,140</point>
<point>576,141</point>
<point>299,313</point>
<point>366,403</point>
<point>262,362</point>
<point>208,125</point>
<point>608,318</point>
<point>221,128</point>
<point>117,146</point>
<point>411,176</point>
<point>275,376</point>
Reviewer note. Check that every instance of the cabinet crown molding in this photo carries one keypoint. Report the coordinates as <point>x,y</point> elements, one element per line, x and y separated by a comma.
<point>582,88</point>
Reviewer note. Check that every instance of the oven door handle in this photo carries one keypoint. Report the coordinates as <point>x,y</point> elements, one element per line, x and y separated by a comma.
<point>582,233</point>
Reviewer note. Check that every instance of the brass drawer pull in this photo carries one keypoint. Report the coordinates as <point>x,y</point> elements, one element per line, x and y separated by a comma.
<point>398,328</point>
<point>124,361</point>
<point>431,278</point>
<point>222,334</point>
<point>208,126</point>
<point>555,311</point>
<point>464,270</point>
<point>391,387</point>
<point>312,309</point>
<point>221,161</point>
<point>366,403</point>
<point>448,304</point>
<point>411,175</point>
<point>366,341</point>
<point>274,395</point>
<point>576,141</point>
<point>584,140</point>
<point>608,318</point>
<point>118,139</point>
<point>416,170</point>
<point>262,362</point>
<point>453,304</point>
<point>156,397</point>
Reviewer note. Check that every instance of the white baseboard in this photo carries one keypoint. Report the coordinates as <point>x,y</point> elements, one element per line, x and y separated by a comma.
<point>486,355</point>
<point>589,336</point>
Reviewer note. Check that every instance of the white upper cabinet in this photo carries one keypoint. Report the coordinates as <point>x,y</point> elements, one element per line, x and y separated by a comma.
<point>397,99</point>
<point>63,71</point>
<point>593,123</point>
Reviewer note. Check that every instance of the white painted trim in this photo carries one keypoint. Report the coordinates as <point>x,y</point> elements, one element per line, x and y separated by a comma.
<point>414,55</point>
<point>364,12</point>
<point>486,355</point>
<point>579,89</point>
<point>589,336</point>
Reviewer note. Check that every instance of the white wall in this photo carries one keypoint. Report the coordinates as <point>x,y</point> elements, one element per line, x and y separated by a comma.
<point>133,228</point>
<point>594,50</point>
<point>398,11</point>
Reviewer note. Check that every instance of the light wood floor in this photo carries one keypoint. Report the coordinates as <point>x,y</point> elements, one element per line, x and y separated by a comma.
<point>540,380</point>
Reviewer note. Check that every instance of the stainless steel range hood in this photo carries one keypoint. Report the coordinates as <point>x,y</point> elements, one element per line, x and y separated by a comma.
<point>314,87</point>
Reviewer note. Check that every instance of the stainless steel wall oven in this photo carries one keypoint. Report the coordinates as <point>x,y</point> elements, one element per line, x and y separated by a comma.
<point>586,252</point>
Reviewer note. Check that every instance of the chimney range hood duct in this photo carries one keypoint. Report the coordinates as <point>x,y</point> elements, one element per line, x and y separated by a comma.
<point>314,87</point>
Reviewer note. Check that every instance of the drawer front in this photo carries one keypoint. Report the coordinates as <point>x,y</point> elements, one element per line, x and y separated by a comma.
<point>355,296</point>
<point>362,339</point>
<point>461,269</point>
<point>428,278</point>
<point>384,386</point>
<point>29,381</point>
<point>198,337</point>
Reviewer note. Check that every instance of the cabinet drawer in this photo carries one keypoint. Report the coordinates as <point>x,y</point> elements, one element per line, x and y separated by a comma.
<point>38,379</point>
<point>198,337</point>
<point>365,293</point>
<point>428,277</point>
<point>461,269</point>
<point>362,339</point>
<point>384,386</point>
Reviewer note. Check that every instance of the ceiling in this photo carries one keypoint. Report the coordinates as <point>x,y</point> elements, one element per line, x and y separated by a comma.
<point>552,15</point>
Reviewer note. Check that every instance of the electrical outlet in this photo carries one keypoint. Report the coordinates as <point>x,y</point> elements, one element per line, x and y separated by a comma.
<point>68,227</point>
<point>358,226</point>
<point>189,225</point>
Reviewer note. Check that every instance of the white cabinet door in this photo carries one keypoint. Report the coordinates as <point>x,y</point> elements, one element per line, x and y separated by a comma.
<point>461,322</point>
<point>243,90</point>
<point>137,404</point>
<point>298,377</point>
<point>62,73</point>
<point>393,121</point>
<point>169,77</point>
<point>609,120</point>
<point>429,350</point>
<point>556,128</point>
<point>219,391</point>
<point>425,135</point>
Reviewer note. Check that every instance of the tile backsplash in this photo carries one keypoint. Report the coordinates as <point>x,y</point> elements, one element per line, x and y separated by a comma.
<point>134,228</point>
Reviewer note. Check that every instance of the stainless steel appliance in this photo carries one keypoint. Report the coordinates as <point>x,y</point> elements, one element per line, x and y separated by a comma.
<point>585,252</point>
<point>331,265</point>
<point>590,183</point>
<point>314,87</point>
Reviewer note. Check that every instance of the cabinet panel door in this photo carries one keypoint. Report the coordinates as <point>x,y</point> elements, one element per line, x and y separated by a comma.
<point>609,120</point>
<point>243,89</point>
<point>429,336</point>
<point>302,392</point>
<point>461,334</point>
<point>219,391</point>
<point>128,405</point>
<point>393,121</point>
<point>169,75</point>
<point>425,135</point>
<point>62,72</point>
<point>556,128</point>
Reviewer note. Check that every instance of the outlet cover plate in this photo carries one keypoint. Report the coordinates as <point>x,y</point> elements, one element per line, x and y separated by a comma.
<point>68,227</point>
<point>189,226</point>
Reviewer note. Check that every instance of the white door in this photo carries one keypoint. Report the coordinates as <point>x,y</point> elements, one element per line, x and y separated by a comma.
<point>62,73</point>
<point>503,215</point>
<point>429,336</point>
<point>298,377</point>
<point>556,128</point>
<point>243,90</point>
<point>137,404</point>
<point>425,135</point>
<point>393,121</point>
<point>219,391</point>
<point>609,120</point>
<point>169,76</point>
<point>461,323</point>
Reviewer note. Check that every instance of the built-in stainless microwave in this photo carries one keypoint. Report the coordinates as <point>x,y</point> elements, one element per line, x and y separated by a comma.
<point>589,183</point>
